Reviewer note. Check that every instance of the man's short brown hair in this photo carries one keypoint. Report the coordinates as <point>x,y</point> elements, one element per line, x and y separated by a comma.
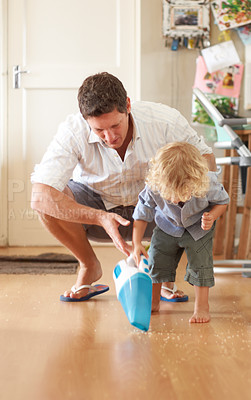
<point>100,94</point>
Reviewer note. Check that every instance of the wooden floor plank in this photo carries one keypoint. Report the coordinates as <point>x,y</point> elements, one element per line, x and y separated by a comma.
<point>52,350</point>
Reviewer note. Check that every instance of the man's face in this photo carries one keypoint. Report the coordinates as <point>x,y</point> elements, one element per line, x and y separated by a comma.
<point>111,128</point>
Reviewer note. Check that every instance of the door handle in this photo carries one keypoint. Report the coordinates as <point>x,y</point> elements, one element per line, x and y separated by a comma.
<point>17,76</point>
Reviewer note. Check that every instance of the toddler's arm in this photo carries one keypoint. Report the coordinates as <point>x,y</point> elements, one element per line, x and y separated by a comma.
<point>139,227</point>
<point>208,218</point>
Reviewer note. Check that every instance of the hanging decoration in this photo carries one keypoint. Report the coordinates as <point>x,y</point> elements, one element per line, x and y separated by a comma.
<point>187,23</point>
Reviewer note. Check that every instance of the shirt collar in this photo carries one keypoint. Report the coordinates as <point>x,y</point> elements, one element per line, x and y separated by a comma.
<point>136,133</point>
<point>93,138</point>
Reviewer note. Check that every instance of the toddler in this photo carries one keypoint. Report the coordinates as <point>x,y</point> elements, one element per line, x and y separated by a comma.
<point>185,199</point>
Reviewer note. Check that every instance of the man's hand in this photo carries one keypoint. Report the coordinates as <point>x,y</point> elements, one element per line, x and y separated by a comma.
<point>110,222</point>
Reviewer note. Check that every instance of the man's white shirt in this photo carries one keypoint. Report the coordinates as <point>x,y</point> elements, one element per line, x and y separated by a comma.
<point>78,153</point>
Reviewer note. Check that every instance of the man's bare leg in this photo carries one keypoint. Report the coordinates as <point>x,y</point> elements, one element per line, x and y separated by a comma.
<point>73,237</point>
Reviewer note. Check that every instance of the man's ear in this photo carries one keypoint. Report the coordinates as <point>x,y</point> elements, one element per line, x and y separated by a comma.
<point>128,105</point>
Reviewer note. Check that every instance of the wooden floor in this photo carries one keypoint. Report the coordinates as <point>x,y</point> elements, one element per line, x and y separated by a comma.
<point>56,351</point>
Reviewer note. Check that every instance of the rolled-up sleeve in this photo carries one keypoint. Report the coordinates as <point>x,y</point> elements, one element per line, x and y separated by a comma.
<point>184,132</point>
<point>145,208</point>
<point>58,163</point>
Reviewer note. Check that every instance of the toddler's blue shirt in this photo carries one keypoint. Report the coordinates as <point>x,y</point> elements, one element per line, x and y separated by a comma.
<point>173,219</point>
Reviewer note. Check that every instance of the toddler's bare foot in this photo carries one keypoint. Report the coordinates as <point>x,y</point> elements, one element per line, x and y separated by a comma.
<point>200,316</point>
<point>201,306</point>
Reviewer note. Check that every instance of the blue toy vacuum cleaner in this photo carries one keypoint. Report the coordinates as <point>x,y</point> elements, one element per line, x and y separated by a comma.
<point>134,291</point>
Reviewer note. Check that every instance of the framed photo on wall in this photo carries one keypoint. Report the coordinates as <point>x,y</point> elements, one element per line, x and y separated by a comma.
<point>185,18</point>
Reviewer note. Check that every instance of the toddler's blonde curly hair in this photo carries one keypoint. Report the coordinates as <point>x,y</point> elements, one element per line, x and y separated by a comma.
<point>178,171</point>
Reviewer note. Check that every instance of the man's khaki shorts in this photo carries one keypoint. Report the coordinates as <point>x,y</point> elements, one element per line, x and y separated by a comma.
<point>87,197</point>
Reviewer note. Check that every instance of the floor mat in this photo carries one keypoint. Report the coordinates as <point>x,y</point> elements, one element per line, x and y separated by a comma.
<point>46,263</point>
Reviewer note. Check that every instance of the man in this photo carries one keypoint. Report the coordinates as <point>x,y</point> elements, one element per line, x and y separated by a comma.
<point>106,149</point>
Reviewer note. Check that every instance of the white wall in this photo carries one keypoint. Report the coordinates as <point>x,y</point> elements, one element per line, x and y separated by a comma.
<point>3,123</point>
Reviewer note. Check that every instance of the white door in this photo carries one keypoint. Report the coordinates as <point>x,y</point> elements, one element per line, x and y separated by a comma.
<point>58,43</point>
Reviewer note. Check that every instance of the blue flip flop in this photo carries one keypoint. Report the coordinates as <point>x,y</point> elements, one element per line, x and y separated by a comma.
<point>175,299</point>
<point>94,290</point>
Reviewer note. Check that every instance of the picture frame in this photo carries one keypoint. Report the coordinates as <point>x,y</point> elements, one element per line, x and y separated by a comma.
<point>186,18</point>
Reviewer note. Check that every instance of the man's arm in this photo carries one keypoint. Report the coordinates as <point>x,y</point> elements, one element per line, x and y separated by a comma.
<point>48,200</point>
<point>182,131</point>
<point>210,161</point>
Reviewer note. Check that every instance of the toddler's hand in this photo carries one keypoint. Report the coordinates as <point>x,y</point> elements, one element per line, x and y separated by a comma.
<point>207,221</point>
<point>138,250</point>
